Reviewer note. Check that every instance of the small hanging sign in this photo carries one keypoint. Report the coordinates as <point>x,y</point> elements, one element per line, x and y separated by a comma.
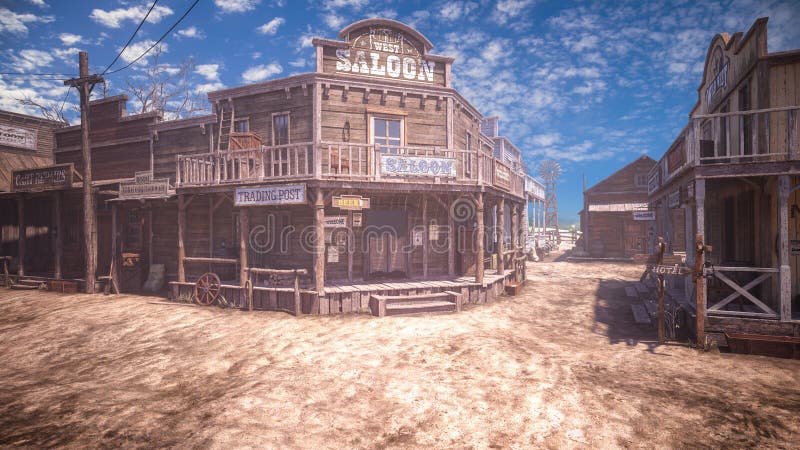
<point>357,220</point>
<point>350,202</point>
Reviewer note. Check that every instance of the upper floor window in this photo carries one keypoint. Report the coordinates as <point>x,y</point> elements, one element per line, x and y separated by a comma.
<point>640,180</point>
<point>241,125</point>
<point>387,132</point>
<point>280,129</point>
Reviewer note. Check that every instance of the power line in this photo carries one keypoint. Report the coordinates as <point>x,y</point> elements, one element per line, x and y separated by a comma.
<point>132,36</point>
<point>61,110</point>
<point>28,74</point>
<point>159,39</point>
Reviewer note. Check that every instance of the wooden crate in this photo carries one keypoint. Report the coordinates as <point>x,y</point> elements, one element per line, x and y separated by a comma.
<point>63,286</point>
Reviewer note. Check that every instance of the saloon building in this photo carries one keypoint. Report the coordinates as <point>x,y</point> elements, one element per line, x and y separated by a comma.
<point>730,178</point>
<point>321,193</point>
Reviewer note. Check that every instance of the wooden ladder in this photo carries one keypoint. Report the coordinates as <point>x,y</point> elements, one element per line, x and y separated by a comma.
<point>225,126</point>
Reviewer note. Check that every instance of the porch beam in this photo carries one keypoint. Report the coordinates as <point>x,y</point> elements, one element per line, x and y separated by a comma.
<point>501,224</point>
<point>181,250</point>
<point>58,235</point>
<point>21,235</point>
<point>244,233</point>
<point>451,244</point>
<point>319,247</point>
<point>425,236</point>
<point>784,190</point>
<point>479,236</point>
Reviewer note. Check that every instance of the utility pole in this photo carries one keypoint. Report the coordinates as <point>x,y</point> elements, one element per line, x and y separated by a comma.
<point>84,84</point>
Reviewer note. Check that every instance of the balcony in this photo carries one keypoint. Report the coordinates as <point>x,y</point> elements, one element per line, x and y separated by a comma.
<point>732,143</point>
<point>339,161</point>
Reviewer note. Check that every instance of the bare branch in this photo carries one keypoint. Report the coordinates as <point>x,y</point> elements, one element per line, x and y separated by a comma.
<point>50,112</point>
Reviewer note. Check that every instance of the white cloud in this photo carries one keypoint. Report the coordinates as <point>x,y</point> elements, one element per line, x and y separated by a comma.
<point>67,55</point>
<point>299,62</point>
<point>31,59</point>
<point>590,87</point>
<point>454,10</point>
<point>334,4</point>
<point>236,6</point>
<point>546,139</point>
<point>209,71</point>
<point>261,72</point>
<point>306,40</point>
<point>271,27</point>
<point>191,33</point>
<point>509,9</point>
<point>39,3</point>
<point>115,17</point>
<point>137,48</point>
<point>16,23</point>
<point>205,88</point>
<point>69,38</point>
<point>334,21</point>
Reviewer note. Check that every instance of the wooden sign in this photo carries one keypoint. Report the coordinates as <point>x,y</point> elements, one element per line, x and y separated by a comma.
<point>674,199</point>
<point>350,202</point>
<point>417,166</point>
<point>144,186</point>
<point>335,221</point>
<point>18,137</point>
<point>502,176</point>
<point>677,270</point>
<point>385,53</point>
<point>644,215</point>
<point>41,179</point>
<point>294,194</point>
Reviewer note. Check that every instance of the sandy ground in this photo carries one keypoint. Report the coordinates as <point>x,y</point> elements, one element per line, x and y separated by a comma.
<point>562,365</point>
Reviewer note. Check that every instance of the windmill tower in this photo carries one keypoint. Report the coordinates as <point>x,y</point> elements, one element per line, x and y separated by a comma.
<point>550,171</point>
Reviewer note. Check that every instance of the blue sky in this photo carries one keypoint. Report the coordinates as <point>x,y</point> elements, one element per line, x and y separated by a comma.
<point>590,84</point>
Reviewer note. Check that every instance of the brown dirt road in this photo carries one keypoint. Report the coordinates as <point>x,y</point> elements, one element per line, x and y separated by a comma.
<point>561,366</point>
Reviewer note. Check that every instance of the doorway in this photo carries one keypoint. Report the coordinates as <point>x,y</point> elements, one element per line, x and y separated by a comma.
<point>387,244</point>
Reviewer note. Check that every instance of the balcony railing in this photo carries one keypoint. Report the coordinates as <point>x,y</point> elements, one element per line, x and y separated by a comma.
<point>347,162</point>
<point>764,135</point>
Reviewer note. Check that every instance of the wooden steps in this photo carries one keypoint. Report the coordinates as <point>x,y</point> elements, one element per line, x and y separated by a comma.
<point>395,305</point>
<point>640,314</point>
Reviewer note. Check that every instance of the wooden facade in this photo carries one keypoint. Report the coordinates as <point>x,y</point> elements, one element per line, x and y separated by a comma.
<point>616,221</point>
<point>730,179</point>
<point>371,172</point>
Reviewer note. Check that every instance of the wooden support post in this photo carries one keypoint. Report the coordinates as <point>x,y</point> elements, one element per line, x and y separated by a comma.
<point>700,281</point>
<point>211,225</point>
<point>22,235</point>
<point>319,250</point>
<point>425,236</point>
<point>662,247</point>
<point>793,150</point>
<point>501,238</point>
<point>350,248</point>
<point>451,244</point>
<point>149,237</point>
<point>114,249</point>
<point>58,235</point>
<point>298,309</point>
<point>244,234</point>
<point>784,189</point>
<point>514,228</point>
<point>181,250</point>
<point>479,238</point>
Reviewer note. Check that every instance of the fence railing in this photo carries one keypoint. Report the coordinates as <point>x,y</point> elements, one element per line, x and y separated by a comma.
<point>348,161</point>
<point>763,135</point>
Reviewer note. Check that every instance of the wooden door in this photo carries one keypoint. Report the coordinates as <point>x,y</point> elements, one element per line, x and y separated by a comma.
<point>466,256</point>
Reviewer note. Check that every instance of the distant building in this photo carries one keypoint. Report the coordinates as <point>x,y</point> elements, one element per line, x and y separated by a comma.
<point>615,220</point>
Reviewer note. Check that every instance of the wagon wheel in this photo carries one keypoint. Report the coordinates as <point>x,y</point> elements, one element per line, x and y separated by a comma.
<point>207,288</point>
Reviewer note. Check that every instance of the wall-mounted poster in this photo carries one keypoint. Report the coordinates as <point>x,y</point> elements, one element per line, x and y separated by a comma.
<point>419,237</point>
<point>333,254</point>
<point>357,220</point>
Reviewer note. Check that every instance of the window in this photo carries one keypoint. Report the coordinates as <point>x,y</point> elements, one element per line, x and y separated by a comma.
<point>241,125</point>
<point>133,234</point>
<point>468,156</point>
<point>280,129</point>
<point>387,132</point>
<point>279,232</point>
<point>640,180</point>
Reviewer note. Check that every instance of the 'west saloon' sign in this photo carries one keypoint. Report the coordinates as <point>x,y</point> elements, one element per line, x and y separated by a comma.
<point>45,178</point>
<point>417,166</point>
<point>144,186</point>
<point>18,137</point>
<point>271,195</point>
<point>385,53</point>
<point>644,215</point>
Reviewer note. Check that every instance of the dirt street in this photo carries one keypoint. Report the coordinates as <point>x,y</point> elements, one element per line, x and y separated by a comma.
<point>561,366</point>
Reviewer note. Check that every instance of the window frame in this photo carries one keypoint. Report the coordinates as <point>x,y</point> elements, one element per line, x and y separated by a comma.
<point>468,155</point>
<point>245,120</point>
<point>387,117</point>
<point>288,127</point>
